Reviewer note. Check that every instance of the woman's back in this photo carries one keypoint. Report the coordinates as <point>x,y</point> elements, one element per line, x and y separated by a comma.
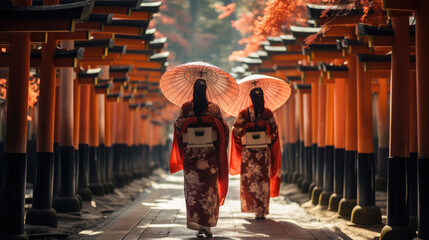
<point>188,111</point>
<point>203,169</point>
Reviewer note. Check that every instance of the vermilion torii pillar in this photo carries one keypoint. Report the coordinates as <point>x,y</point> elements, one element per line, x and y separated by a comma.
<point>288,167</point>
<point>57,153</point>
<point>108,144</point>
<point>339,142</point>
<point>66,201</point>
<point>349,194</point>
<point>118,145</point>
<point>383,135</point>
<point>280,116</point>
<point>128,124</point>
<point>83,188</point>
<point>300,125</point>
<point>307,124</point>
<point>314,132</point>
<point>101,144</point>
<point>93,142</point>
<point>145,142</point>
<point>328,165</point>
<point>422,84</point>
<point>105,119</point>
<point>15,144</point>
<point>365,212</point>
<point>397,209</point>
<point>126,133</point>
<point>292,139</point>
<point>137,148</point>
<point>76,121</point>
<point>321,144</point>
<point>42,212</point>
<point>412,163</point>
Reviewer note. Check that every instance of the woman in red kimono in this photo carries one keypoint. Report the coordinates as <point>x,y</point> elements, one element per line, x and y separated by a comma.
<point>259,165</point>
<point>205,165</point>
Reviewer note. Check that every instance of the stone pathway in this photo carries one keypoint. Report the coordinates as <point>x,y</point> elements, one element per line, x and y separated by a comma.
<point>159,212</point>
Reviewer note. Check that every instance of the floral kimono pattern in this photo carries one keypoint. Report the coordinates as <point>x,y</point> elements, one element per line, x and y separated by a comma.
<point>255,170</point>
<point>201,172</point>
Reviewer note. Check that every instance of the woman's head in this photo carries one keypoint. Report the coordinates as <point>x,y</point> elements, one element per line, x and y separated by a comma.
<point>257,96</point>
<point>200,96</point>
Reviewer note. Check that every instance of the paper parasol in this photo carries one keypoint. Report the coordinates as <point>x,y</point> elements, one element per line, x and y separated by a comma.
<point>276,93</point>
<point>177,84</point>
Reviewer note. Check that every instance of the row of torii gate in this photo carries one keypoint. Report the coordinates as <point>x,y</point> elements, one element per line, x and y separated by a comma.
<point>98,122</point>
<point>327,124</point>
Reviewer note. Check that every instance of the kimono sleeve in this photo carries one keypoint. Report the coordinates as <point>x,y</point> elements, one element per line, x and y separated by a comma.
<point>236,146</point>
<point>275,158</point>
<point>176,157</point>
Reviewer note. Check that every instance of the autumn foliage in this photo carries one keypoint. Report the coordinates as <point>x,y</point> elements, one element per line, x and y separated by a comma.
<point>274,19</point>
<point>3,88</point>
<point>278,15</point>
<point>226,10</point>
<point>372,9</point>
<point>33,91</point>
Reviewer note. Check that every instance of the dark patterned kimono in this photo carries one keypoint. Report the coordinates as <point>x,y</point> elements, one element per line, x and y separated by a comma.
<point>203,170</point>
<point>259,168</point>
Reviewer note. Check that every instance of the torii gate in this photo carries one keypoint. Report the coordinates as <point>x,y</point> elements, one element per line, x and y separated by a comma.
<point>12,207</point>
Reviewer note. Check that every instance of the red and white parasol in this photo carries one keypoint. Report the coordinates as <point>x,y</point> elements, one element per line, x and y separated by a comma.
<point>276,93</point>
<point>177,84</point>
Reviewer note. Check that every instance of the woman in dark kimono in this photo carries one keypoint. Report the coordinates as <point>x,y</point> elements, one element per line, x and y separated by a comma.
<point>205,164</point>
<point>258,164</point>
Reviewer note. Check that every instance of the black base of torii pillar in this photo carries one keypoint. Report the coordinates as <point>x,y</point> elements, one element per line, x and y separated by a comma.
<point>334,200</point>
<point>349,201</point>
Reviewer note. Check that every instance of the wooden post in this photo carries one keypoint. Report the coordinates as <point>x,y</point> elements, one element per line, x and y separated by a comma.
<point>76,121</point>
<point>287,144</point>
<point>118,147</point>
<point>300,126</point>
<point>339,142</point>
<point>279,115</point>
<point>397,208</point>
<point>125,134</point>
<point>95,184</point>
<point>83,189</point>
<point>129,142</point>
<point>155,142</point>
<point>307,124</point>
<point>383,135</point>
<point>321,114</point>
<point>101,139</point>
<point>328,166</point>
<point>314,132</point>
<point>136,145</point>
<point>143,140</point>
<point>66,201</point>
<point>412,163</point>
<point>57,153</point>
<point>285,167</point>
<point>350,192</point>
<point>12,191</point>
<point>108,144</point>
<point>292,138</point>
<point>42,212</point>
<point>422,85</point>
<point>365,212</point>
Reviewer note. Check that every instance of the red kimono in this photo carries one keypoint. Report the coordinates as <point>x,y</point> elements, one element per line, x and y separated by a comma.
<point>205,169</point>
<point>259,168</point>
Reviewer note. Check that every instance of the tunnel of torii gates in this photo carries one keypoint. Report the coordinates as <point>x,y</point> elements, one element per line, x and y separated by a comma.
<point>357,118</point>
<point>97,124</point>
<point>354,124</point>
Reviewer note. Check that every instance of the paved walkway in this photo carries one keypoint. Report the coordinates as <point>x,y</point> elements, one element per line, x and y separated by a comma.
<point>159,212</point>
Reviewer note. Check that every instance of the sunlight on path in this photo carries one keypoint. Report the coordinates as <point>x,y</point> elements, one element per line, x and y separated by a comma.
<point>167,217</point>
